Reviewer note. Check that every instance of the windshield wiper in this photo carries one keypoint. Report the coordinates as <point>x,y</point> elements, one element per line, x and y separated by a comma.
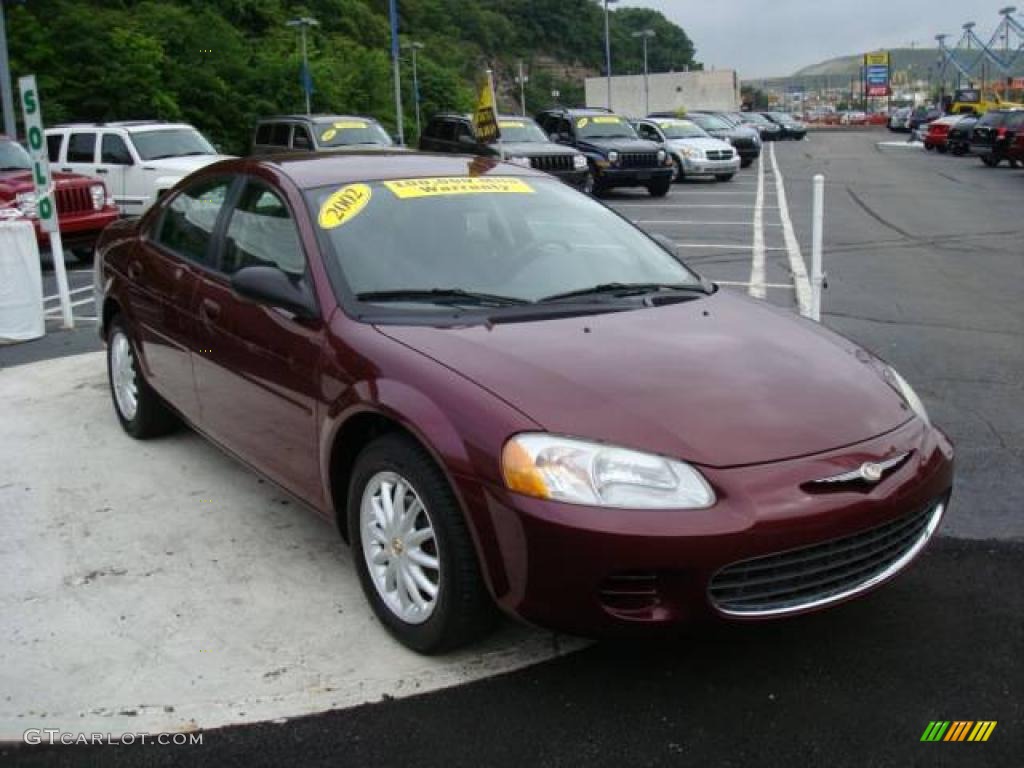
<point>624,289</point>
<point>442,296</point>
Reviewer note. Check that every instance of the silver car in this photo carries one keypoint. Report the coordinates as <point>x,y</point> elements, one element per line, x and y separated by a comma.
<point>694,152</point>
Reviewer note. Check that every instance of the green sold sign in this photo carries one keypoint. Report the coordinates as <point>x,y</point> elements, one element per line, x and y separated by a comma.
<point>37,150</point>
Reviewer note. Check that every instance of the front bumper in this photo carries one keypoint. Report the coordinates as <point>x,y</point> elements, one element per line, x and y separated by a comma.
<point>710,167</point>
<point>577,179</point>
<point>631,177</point>
<point>600,571</point>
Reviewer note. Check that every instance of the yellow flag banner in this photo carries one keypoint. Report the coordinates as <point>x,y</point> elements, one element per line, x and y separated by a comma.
<point>485,117</point>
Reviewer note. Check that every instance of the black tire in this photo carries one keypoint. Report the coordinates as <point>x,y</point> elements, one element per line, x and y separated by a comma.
<point>678,174</point>
<point>463,611</point>
<point>659,188</point>
<point>928,147</point>
<point>84,255</point>
<point>990,160</point>
<point>724,176</point>
<point>152,417</point>
<point>746,162</point>
<point>942,149</point>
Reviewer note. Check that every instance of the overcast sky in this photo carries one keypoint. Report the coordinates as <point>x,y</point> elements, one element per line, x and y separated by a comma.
<point>762,38</point>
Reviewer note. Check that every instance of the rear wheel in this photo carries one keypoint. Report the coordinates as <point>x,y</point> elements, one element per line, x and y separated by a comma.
<point>659,188</point>
<point>412,548</point>
<point>141,411</point>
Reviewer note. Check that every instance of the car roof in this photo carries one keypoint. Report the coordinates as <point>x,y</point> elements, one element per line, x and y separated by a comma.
<point>128,125</point>
<point>579,111</point>
<point>318,118</point>
<point>318,169</point>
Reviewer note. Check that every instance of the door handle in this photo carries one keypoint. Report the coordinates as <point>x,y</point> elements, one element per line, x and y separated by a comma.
<point>135,270</point>
<point>67,170</point>
<point>102,170</point>
<point>209,310</point>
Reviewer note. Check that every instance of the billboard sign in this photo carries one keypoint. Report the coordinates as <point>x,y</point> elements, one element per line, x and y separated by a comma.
<point>877,73</point>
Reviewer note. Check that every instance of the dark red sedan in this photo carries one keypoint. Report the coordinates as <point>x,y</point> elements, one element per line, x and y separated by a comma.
<point>506,394</point>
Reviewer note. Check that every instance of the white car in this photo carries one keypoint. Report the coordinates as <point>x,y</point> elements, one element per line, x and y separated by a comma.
<point>693,150</point>
<point>138,160</point>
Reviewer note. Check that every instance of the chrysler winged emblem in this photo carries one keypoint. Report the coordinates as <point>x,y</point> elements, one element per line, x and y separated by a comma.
<point>869,472</point>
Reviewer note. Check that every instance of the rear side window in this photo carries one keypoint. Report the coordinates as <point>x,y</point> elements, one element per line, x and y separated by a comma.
<point>279,136</point>
<point>82,148</point>
<point>53,142</point>
<point>263,133</point>
<point>262,233</point>
<point>187,225</point>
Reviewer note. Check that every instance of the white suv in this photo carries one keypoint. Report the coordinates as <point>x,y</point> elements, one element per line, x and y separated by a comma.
<point>139,160</point>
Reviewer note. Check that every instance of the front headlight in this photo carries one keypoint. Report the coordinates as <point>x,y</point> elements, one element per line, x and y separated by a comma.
<point>693,153</point>
<point>99,196</point>
<point>613,157</point>
<point>908,394</point>
<point>523,161</point>
<point>661,155</point>
<point>579,162</point>
<point>27,202</point>
<point>580,472</point>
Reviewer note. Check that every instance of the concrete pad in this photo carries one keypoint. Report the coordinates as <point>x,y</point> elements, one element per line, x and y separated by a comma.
<point>157,586</point>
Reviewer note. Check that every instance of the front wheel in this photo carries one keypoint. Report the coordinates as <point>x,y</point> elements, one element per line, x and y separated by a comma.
<point>659,188</point>
<point>412,549</point>
<point>746,162</point>
<point>941,149</point>
<point>724,176</point>
<point>141,411</point>
<point>678,174</point>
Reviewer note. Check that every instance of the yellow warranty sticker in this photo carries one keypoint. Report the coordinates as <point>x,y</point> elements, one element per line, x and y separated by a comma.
<point>406,189</point>
<point>349,124</point>
<point>582,122</point>
<point>606,120</point>
<point>344,205</point>
<point>328,135</point>
<point>511,124</point>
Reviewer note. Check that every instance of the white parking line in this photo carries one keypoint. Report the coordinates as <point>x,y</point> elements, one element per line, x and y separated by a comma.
<point>55,296</point>
<point>757,265</point>
<point>796,260</point>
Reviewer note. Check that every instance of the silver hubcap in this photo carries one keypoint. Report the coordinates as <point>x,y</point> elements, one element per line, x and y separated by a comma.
<point>400,547</point>
<point>122,375</point>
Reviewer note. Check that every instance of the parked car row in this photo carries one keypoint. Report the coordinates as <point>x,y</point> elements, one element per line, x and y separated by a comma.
<point>996,136</point>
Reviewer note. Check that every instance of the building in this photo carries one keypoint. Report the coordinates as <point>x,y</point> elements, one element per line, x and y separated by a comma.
<point>669,91</point>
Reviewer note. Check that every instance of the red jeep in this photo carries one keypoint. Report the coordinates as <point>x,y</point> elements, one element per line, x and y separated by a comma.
<point>84,207</point>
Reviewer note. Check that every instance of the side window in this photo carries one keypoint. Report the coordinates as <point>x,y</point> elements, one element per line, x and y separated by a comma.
<point>262,233</point>
<point>263,133</point>
<point>301,139</point>
<point>446,130</point>
<point>563,127</point>
<point>463,130</point>
<point>279,135</point>
<point>82,148</point>
<point>544,121</point>
<point>189,220</point>
<point>647,132</point>
<point>53,142</point>
<point>114,151</point>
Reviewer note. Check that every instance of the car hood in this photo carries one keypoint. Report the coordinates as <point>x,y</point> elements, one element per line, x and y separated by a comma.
<point>703,144</point>
<point>535,149</point>
<point>183,165</point>
<point>720,381</point>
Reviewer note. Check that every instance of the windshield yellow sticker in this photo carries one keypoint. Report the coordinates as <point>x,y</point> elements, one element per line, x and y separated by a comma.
<point>328,135</point>
<point>511,124</point>
<point>582,122</point>
<point>343,125</point>
<point>607,120</point>
<point>344,205</point>
<point>407,189</point>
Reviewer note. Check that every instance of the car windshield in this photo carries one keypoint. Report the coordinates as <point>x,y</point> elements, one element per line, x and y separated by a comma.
<point>419,242</point>
<point>604,127</point>
<point>171,142</point>
<point>521,130</point>
<point>682,129</point>
<point>13,157</point>
<point>754,117</point>
<point>711,123</point>
<point>782,117</point>
<point>350,131</point>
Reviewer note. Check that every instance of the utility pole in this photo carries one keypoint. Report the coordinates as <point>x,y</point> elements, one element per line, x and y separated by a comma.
<point>645,35</point>
<point>522,80</point>
<point>5,80</point>
<point>415,47</point>
<point>395,60</point>
<point>304,23</point>
<point>608,50</point>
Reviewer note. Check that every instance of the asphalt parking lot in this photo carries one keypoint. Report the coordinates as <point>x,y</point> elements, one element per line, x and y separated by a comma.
<point>924,264</point>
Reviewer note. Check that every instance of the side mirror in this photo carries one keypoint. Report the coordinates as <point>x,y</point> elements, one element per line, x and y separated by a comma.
<point>273,287</point>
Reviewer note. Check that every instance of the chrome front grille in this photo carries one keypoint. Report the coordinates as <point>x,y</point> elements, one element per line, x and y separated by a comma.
<point>552,163</point>
<point>638,159</point>
<point>824,573</point>
<point>719,154</point>
<point>74,200</point>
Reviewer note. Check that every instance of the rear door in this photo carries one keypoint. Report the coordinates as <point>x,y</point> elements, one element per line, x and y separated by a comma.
<point>163,273</point>
<point>256,366</point>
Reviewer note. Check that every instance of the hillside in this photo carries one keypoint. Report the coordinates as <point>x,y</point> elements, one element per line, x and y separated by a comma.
<point>222,63</point>
<point>914,61</point>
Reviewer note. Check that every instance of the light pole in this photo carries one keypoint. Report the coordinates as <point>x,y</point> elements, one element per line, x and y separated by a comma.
<point>608,50</point>
<point>396,66</point>
<point>5,80</point>
<point>645,35</point>
<point>304,23</point>
<point>415,47</point>
<point>522,79</point>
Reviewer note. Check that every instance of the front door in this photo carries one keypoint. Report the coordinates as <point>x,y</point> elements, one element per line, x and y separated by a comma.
<point>114,167</point>
<point>256,367</point>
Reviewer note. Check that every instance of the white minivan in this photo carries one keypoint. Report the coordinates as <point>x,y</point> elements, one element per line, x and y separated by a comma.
<point>139,160</point>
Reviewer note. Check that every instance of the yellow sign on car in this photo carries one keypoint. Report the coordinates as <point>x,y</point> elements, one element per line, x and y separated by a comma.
<point>406,189</point>
<point>344,205</point>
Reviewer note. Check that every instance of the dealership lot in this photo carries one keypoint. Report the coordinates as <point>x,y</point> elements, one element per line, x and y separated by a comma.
<point>924,263</point>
